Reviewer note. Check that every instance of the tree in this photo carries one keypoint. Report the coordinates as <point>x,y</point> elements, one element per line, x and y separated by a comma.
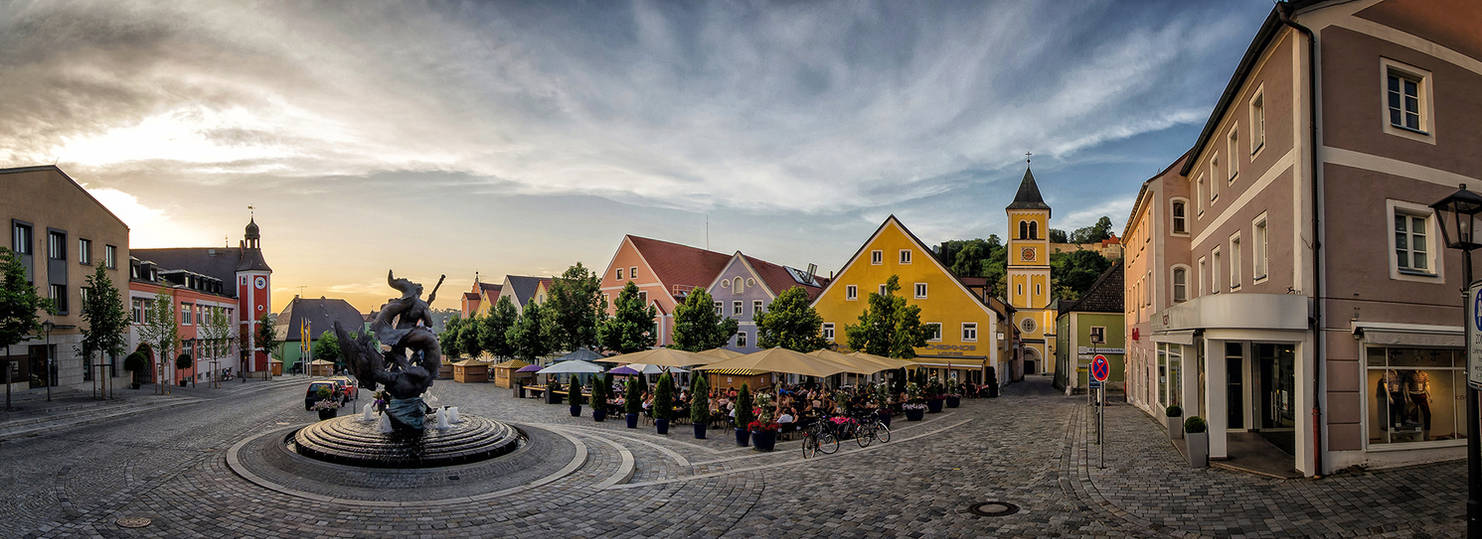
<point>1058,236</point>
<point>494,327</point>
<point>19,304</point>
<point>107,322</point>
<point>888,326</point>
<point>632,326</point>
<point>744,416</point>
<point>986,258</point>
<point>468,337</point>
<point>633,401</point>
<point>699,400</point>
<point>663,405</point>
<point>791,322</point>
<point>698,327</point>
<point>447,340</point>
<point>575,390</point>
<point>1094,233</point>
<point>216,334</point>
<point>267,338</point>
<point>1075,272</point>
<point>526,337</point>
<point>161,331</point>
<point>328,349</point>
<point>574,302</point>
<point>600,387</point>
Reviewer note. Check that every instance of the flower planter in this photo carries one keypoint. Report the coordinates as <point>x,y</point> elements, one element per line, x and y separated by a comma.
<point>551,397</point>
<point>934,406</point>
<point>662,425</point>
<point>915,414</point>
<point>764,440</point>
<point>884,415</point>
<point>632,421</point>
<point>954,401</point>
<point>576,410</point>
<point>329,413</point>
<point>699,431</point>
<point>742,437</point>
<point>1175,427</point>
<point>599,414</point>
<point>1198,446</point>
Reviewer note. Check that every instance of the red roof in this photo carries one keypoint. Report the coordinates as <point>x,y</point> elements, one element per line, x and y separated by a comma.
<point>778,279</point>
<point>679,265</point>
<point>470,296</point>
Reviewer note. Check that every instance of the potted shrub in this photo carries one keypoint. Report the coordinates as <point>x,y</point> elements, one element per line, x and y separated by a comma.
<point>934,396</point>
<point>1198,441</point>
<point>551,387</point>
<point>743,416</point>
<point>663,405</point>
<point>183,362</point>
<point>915,407</point>
<point>954,393</point>
<point>634,403</point>
<point>764,432</point>
<point>576,397</point>
<point>699,405</point>
<point>137,364</point>
<point>1173,415</point>
<point>321,398</point>
<point>599,398</point>
<point>882,403</point>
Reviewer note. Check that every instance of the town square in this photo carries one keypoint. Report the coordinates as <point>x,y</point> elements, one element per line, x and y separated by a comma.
<point>492,269</point>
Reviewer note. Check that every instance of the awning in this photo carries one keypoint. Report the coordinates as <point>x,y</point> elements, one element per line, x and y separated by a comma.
<point>737,372</point>
<point>1417,335</point>
<point>1185,336</point>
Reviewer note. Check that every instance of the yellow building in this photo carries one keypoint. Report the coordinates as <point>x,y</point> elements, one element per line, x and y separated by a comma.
<point>1028,276</point>
<point>966,327</point>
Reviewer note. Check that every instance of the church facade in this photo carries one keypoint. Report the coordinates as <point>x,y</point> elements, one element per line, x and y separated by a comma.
<point>1028,276</point>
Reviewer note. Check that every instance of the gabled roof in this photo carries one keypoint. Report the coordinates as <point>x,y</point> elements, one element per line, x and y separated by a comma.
<point>1104,296</point>
<point>679,265</point>
<point>1028,197</point>
<point>490,290</point>
<point>218,262</point>
<point>524,288</point>
<point>320,313</point>
<point>780,278</point>
<point>58,170</point>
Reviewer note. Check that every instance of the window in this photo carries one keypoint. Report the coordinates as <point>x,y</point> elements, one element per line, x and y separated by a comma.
<point>877,257</point>
<point>1214,183</point>
<point>970,331</point>
<point>905,256</point>
<point>1257,122</point>
<point>633,272</point>
<point>1180,284</point>
<point>1234,163</point>
<point>1199,276</point>
<point>828,331</point>
<point>1147,289</point>
<point>1414,395</point>
<point>719,308</point>
<point>110,256</point>
<point>736,308</point>
<point>1180,217</point>
<point>1034,230</point>
<point>920,290</point>
<point>933,331</point>
<point>741,339</point>
<point>186,312</point>
<point>1235,262</point>
<point>851,292</point>
<point>59,297</point>
<point>20,239</point>
<point>738,286</point>
<point>882,289</point>
<point>85,251</point>
<point>1098,334</point>
<point>82,294</point>
<point>756,308</point>
<point>56,245</point>
<point>1199,193</point>
<point>1403,92</point>
<point>1258,249</point>
<point>620,274</point>
<point>1023,230</point>
<point>1214,273</point>
<point>1036,289</point>
<point>643,297</point>
<point>137,310</point>
<point>1412,243</point>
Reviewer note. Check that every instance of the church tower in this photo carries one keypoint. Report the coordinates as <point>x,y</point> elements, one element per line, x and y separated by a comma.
<point>1028,275</point>
<point>254,296</point>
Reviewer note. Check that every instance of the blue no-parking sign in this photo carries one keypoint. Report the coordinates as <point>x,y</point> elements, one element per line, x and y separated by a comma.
<point>1100,369</point>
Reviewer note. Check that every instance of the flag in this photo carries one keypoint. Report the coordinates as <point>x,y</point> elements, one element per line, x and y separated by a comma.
<point>303,344</point>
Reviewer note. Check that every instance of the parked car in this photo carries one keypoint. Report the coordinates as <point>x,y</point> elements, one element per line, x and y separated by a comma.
<point>345,388</point>
<point>322,390</point>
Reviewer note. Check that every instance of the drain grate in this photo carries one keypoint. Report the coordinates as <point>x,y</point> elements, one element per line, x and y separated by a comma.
<point>133,522</point>
<point>994,509</point>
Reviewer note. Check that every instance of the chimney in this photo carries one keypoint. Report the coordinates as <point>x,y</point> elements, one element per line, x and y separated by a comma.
<point>812,270</point>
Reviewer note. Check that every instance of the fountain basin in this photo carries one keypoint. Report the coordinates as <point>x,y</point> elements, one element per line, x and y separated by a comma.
<point>350,441</point>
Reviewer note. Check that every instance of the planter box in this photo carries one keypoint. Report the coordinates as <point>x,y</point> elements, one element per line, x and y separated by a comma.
<point>1175,427</point>
<point>764,440</point>
<point>934,406</point>
<point>1198,445</point>
<point>953,401</point>
<point>699,431</point>
<point>742,437</point>
<point>915,414</point>
<point>576,410</point>
<point>632,421</point>
<point>599,414</point>
<point>662,425</point>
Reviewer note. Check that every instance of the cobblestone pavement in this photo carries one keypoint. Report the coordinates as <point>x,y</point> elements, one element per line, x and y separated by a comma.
<point>1027,448</point>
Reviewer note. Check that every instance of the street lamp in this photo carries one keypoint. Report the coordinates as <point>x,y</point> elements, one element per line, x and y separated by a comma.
<point>47,325</point>
<point>1457,217</point>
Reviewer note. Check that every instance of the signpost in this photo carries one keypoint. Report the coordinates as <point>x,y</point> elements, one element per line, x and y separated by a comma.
<point>1100,370</point>
<point>1474,336</point>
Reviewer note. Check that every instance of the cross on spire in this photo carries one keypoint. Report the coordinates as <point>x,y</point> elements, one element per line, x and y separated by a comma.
<point>1027,156</point>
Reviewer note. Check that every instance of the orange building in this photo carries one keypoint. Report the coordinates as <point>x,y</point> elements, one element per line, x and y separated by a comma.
<point>664,273</point>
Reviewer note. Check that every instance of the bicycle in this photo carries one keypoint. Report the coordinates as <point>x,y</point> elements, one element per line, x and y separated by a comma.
<point>868,428</point>
<point>819,438</point>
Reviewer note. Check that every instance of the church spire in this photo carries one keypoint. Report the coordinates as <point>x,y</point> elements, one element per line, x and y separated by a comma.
<point>1028,197</point>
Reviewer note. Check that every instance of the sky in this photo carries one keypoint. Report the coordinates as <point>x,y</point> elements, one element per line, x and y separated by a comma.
<point>523,137</point>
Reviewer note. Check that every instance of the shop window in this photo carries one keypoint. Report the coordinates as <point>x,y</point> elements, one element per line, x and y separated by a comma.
<point>1414,394</point>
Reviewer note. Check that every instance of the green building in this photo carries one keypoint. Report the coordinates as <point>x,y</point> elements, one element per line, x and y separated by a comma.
<point>320,314</point>
<point>1090,326</point>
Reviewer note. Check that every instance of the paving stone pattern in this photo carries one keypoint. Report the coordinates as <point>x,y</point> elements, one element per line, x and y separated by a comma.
<point>1029,448</point>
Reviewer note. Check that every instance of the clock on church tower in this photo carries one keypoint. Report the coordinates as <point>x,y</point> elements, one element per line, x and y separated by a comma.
<point>1027,254</point>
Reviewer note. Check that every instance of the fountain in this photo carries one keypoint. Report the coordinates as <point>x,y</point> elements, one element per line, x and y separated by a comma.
<point>402,355</point>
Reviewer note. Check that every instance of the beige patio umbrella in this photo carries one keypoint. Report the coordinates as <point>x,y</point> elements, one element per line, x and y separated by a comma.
<point>718,354</point>
<point>780,360</point>
<point>887,362</point>
<point>853,365</point>
<point>663,357</point>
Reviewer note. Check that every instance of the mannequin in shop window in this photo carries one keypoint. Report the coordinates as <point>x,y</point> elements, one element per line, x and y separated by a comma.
<point>1418,386</point>
<point>1391,399</point>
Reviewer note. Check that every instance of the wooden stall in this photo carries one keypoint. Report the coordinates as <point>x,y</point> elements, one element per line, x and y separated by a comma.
<point>471,371</point>
<point>733,378</point>
<point>505,375</point>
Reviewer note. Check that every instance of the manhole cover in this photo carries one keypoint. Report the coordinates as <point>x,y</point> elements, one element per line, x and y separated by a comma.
<point>132,522</point>
<point>994,509</point>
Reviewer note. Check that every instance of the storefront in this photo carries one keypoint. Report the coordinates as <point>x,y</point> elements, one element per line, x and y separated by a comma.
<point>1414,397</point>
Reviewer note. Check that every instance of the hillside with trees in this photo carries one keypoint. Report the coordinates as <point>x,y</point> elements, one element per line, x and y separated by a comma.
<point>1073,273</point>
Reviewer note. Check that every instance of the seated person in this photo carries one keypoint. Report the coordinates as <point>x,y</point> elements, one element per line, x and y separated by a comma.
<point>786,417</point>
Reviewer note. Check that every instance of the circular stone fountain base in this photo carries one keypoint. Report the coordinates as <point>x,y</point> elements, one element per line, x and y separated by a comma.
<point>349,440</point>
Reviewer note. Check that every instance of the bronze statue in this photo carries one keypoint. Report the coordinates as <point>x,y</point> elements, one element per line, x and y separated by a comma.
<point>412,357</point>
